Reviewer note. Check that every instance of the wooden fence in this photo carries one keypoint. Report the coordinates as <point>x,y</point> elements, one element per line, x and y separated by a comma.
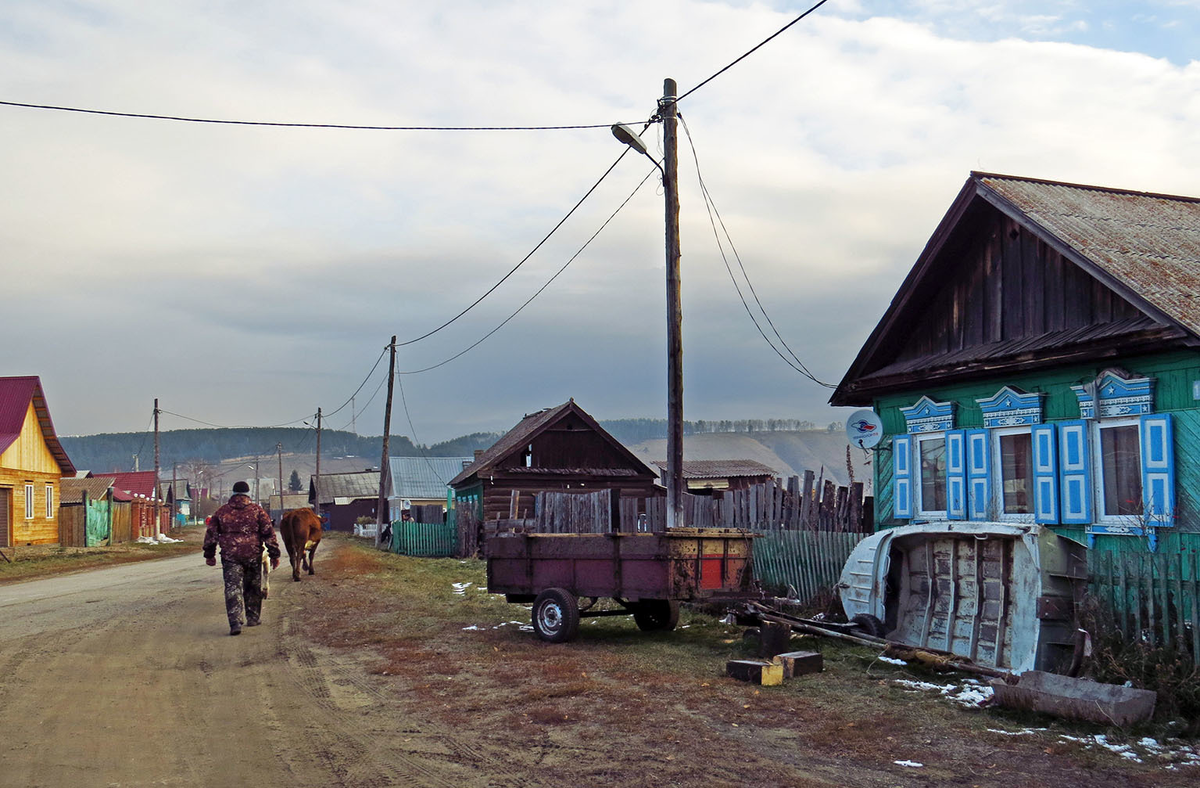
<point>1154,596</point>
<point>72,525</point>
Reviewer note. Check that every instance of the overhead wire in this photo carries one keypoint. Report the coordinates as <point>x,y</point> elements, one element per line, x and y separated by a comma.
<point>711,207</point>
<point>539,290</point>
<point>287,125</point>
<point>752,50</point>
<point>374,366</point>
<point>524,259</point>
<point>415,441</point>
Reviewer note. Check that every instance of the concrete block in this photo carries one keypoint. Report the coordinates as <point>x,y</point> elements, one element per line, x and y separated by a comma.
<point>768,674</point>
<point>797,663</point>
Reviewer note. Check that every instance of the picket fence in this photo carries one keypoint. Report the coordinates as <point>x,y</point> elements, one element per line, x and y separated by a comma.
<point>1155,597</point>
<point>424,540</point>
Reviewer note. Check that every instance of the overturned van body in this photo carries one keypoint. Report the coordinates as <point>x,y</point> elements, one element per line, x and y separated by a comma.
<point>1000,594</point>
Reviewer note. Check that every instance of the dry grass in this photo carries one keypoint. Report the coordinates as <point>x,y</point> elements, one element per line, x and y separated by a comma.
<point>32,562</point>
<point>618,706</point>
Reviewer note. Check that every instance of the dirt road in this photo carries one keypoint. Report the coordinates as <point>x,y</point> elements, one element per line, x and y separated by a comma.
<point>128,677</point>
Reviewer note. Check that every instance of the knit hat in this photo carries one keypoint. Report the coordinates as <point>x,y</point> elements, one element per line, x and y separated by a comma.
<point>241,488</point>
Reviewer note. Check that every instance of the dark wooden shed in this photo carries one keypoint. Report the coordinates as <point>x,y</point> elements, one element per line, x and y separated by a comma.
<point>556,449</point>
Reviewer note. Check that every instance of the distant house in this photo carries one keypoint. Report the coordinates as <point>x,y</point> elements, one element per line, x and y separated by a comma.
<point>345,497</point>
<point>32,464</point>
<point>422,481</point>
<point>289,502</point>
<point>138,486</point>
<point>1041,363</point>
<point>703,477</point>
<point>556,449</point>
<point>177,493</point>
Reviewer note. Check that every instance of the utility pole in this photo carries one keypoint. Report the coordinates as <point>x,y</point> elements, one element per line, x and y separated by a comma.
<point>279,451</point>
<point>667,110</point>
<point>317,475</point>
<point>384,464</point>
<point>257,497</point>
<point>174,490</point>
<point>157,517</point>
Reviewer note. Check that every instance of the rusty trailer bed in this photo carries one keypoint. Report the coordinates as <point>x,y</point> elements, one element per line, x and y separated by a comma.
<point>647,573</point>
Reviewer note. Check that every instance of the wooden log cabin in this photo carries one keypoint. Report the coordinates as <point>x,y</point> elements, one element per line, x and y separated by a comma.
<point>1041,363</point>
<point>556,449</point>
<point>32,464</point>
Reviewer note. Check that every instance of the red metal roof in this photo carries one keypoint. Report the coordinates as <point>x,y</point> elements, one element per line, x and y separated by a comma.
<point>135,482</point>
<point>16,394</point>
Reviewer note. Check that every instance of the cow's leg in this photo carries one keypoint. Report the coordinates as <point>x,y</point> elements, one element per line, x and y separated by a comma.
<point>311,552</point>
<point>296,557</point>
<point>266,573</point>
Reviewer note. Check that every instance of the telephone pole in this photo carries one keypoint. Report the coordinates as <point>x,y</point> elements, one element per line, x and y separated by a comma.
<point>668,111</point>
<point>317,475</point>
<point>384,464</point>
<point>279,451</point>
<point>157,517</point>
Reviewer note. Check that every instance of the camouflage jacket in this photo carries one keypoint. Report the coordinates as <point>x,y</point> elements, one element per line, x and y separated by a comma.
<point>241,528</point>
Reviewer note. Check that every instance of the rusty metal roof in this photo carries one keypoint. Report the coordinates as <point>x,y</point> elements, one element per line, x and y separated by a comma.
<point>360,484</point>
<point>1150,243</point>
<point>720,469</point>
<point>16,395</point>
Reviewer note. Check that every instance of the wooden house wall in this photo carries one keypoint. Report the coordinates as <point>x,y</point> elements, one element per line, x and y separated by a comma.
<point>565,447</point>
<point>497,493</point>
<point>122,522</point>
<point>29,452</point>
<point>1173,373</point>
<point>1005,283</point>
<point>28,459</point>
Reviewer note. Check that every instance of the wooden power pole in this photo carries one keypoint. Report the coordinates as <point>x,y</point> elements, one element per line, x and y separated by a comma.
<point>667,110</point>
<point>154,497</point>
<point>317,475</point>
<point>385,463</point>
<point>279,451</point>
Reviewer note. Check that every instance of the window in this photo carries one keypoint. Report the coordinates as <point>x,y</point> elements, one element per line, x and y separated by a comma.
<point>1015,468</point>
<point>29,500</point>
<point>931,454</point>
<point>1119,466</point>
<point>49,501</point>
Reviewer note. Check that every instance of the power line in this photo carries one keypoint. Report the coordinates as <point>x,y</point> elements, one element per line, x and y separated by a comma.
<point>711,206</point>
<point>524,259</point>
<point>539,290</point>
<point>752,50</point>
<point>416,443</point>
<point>235,427</point>
<point>360,385</point>
<point>278,124</point>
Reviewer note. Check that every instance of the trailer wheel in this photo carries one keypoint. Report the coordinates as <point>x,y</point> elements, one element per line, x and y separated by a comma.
<point>869,624</point>
<point>556,615</point>
<point>652,615</point>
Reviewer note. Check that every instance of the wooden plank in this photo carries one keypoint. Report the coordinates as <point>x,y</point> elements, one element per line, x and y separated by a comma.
<point>1176,564</point>
<point>1194,560</point>
<point>1163,568</point>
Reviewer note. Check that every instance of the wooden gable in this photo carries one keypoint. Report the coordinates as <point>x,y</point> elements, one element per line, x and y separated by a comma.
<point>994,291</point>
<point>30,451</point>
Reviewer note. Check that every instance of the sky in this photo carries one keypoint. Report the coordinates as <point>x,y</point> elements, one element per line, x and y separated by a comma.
<point>247,275</point>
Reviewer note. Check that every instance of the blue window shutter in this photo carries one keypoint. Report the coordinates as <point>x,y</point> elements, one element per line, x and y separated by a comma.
<point>956,474</point>
<point>902,477</point>
<point>1158,469</point>
<point>979,475</point>
<point>1045,473</point>
<point>1074,472</point>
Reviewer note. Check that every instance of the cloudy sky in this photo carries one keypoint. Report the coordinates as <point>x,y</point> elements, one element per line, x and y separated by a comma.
<point>247,275</point>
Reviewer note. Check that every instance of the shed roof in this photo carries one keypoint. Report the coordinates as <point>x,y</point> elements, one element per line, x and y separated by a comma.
<point>16,395</point>
<point>425,477</point>
<point>1145,247</point>
<point>361,484</point>
<point>71,490</point>
<point>534,424</point>
<point>720,469</point>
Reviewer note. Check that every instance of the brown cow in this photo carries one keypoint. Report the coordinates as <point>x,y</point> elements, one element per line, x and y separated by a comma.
<point>301,531</point>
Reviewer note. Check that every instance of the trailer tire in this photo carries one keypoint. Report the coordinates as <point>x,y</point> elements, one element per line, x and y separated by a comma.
<point>869,624</point>
<point>655,615</point>
<point>556,615</point>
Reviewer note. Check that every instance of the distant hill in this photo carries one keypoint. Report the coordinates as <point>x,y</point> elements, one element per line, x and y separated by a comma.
<point>789,453</point>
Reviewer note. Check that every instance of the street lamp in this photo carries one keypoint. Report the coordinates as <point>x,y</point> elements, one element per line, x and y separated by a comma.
<point>255,467</point>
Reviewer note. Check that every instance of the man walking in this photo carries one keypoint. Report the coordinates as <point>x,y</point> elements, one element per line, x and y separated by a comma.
<point>242,528</point>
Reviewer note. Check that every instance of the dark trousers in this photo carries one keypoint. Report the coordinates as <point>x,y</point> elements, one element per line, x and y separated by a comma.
<point>243,589</point>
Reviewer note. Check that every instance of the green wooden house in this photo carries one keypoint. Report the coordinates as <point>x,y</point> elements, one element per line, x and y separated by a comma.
<point>1041,364</point>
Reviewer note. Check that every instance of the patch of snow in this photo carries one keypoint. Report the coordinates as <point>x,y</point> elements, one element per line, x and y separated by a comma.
<point>164,539</point>
<point>1181,755</point>
<point>912,764</point>
<point>472,628</point>
<point>891,660</point>
<point>527,627</point>
<point>971,694</point>
<point>1026,732</point>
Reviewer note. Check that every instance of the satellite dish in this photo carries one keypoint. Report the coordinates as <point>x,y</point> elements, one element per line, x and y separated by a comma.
<point>864,429</point>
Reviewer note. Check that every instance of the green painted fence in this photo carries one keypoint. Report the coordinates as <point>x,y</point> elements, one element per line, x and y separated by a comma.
<point>424,540</point>
<point>1154,596</point>
<point>809,561</point>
